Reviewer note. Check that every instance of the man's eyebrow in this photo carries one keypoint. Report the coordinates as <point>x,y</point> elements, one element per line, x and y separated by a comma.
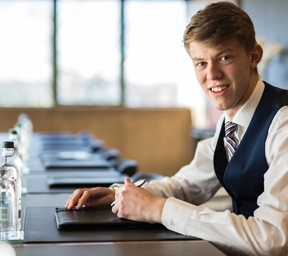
<point>224,50</point>
<point>197,58</point>
<point>220,52</point>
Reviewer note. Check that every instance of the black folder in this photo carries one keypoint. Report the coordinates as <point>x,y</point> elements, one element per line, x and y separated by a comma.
<point>95,219</point>
<point>51,164</point>
<point>40,226</point>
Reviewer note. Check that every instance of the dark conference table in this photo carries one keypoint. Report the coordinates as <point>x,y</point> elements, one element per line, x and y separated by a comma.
<point>41,236</point>
<point>163,248</point>
<point>78,245</point>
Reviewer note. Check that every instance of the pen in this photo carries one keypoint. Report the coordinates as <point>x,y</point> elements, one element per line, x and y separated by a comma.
<point>138,183</point>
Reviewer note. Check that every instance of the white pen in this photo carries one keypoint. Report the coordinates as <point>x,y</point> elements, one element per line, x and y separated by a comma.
<point>138,183</point>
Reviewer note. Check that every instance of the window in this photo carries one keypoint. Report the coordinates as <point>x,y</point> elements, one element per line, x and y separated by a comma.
<point>25,64</point>
<point>88,52</point>
<point>155,57</point>
<point>98,52</point>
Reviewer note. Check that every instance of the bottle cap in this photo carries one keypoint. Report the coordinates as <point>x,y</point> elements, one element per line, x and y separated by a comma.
<point>8,144</point>
<point>12,131</point>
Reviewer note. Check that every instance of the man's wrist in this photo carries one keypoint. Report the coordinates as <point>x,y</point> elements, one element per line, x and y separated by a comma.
<point>159,210</point>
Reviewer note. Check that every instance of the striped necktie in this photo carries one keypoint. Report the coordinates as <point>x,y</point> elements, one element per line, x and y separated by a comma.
<point>232,141</point>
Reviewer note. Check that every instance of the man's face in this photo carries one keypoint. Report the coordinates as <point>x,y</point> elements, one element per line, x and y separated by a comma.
<point>226,73</point>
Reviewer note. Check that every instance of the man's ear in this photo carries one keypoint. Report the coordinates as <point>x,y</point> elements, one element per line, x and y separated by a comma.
<point>256,55</point>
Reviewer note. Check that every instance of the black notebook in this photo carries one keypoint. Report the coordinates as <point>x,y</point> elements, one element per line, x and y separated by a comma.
<point>94,219</point>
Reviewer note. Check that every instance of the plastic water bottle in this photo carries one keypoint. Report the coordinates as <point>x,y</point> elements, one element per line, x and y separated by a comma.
<point>8,215</point>
<point>10,179</point>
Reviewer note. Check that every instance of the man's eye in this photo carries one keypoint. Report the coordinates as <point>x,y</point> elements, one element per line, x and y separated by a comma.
<point>225,58</point>
<point>200,64</point>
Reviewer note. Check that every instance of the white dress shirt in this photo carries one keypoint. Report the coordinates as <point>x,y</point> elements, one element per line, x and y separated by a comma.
<point>266,233</point>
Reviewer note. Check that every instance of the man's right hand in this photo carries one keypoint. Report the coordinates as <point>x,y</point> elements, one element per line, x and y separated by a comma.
<point>90,197</point>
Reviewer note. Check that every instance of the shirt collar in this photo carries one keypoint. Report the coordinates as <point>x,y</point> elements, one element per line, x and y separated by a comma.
<point>246,112</point>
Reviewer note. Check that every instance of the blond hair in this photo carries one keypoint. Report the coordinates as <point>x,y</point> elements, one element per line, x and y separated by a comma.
<point>218,22</point>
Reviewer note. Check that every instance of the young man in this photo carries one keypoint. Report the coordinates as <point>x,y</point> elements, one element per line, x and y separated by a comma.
<point>251,163</point>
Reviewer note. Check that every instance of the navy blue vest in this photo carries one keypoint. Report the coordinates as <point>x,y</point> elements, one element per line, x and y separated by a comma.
<point>243,176</point>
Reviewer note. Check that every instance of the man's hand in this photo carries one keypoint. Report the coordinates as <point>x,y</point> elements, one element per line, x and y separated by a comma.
<point>137,204</point>
<point>90,197</point>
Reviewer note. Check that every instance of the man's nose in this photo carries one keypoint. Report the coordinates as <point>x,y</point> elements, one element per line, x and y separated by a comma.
<point>213,72</point>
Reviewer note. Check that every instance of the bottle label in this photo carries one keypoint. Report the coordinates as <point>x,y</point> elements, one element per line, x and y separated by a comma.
<point>3,210</point>
<point>3,213</point>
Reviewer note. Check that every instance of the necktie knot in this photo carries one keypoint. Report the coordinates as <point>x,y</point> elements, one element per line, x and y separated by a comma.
<point>231,140</point>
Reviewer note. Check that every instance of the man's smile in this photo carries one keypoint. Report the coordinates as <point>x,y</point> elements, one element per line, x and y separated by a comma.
<point>218,88</point>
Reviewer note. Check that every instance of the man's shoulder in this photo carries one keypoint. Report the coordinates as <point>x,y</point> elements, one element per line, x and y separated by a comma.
<point>276,96</point>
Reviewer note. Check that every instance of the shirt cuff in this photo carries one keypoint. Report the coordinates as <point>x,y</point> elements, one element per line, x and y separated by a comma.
<point>176,214</point>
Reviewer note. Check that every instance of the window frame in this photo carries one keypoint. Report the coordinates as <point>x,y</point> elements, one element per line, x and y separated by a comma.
<point>122,49</point>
